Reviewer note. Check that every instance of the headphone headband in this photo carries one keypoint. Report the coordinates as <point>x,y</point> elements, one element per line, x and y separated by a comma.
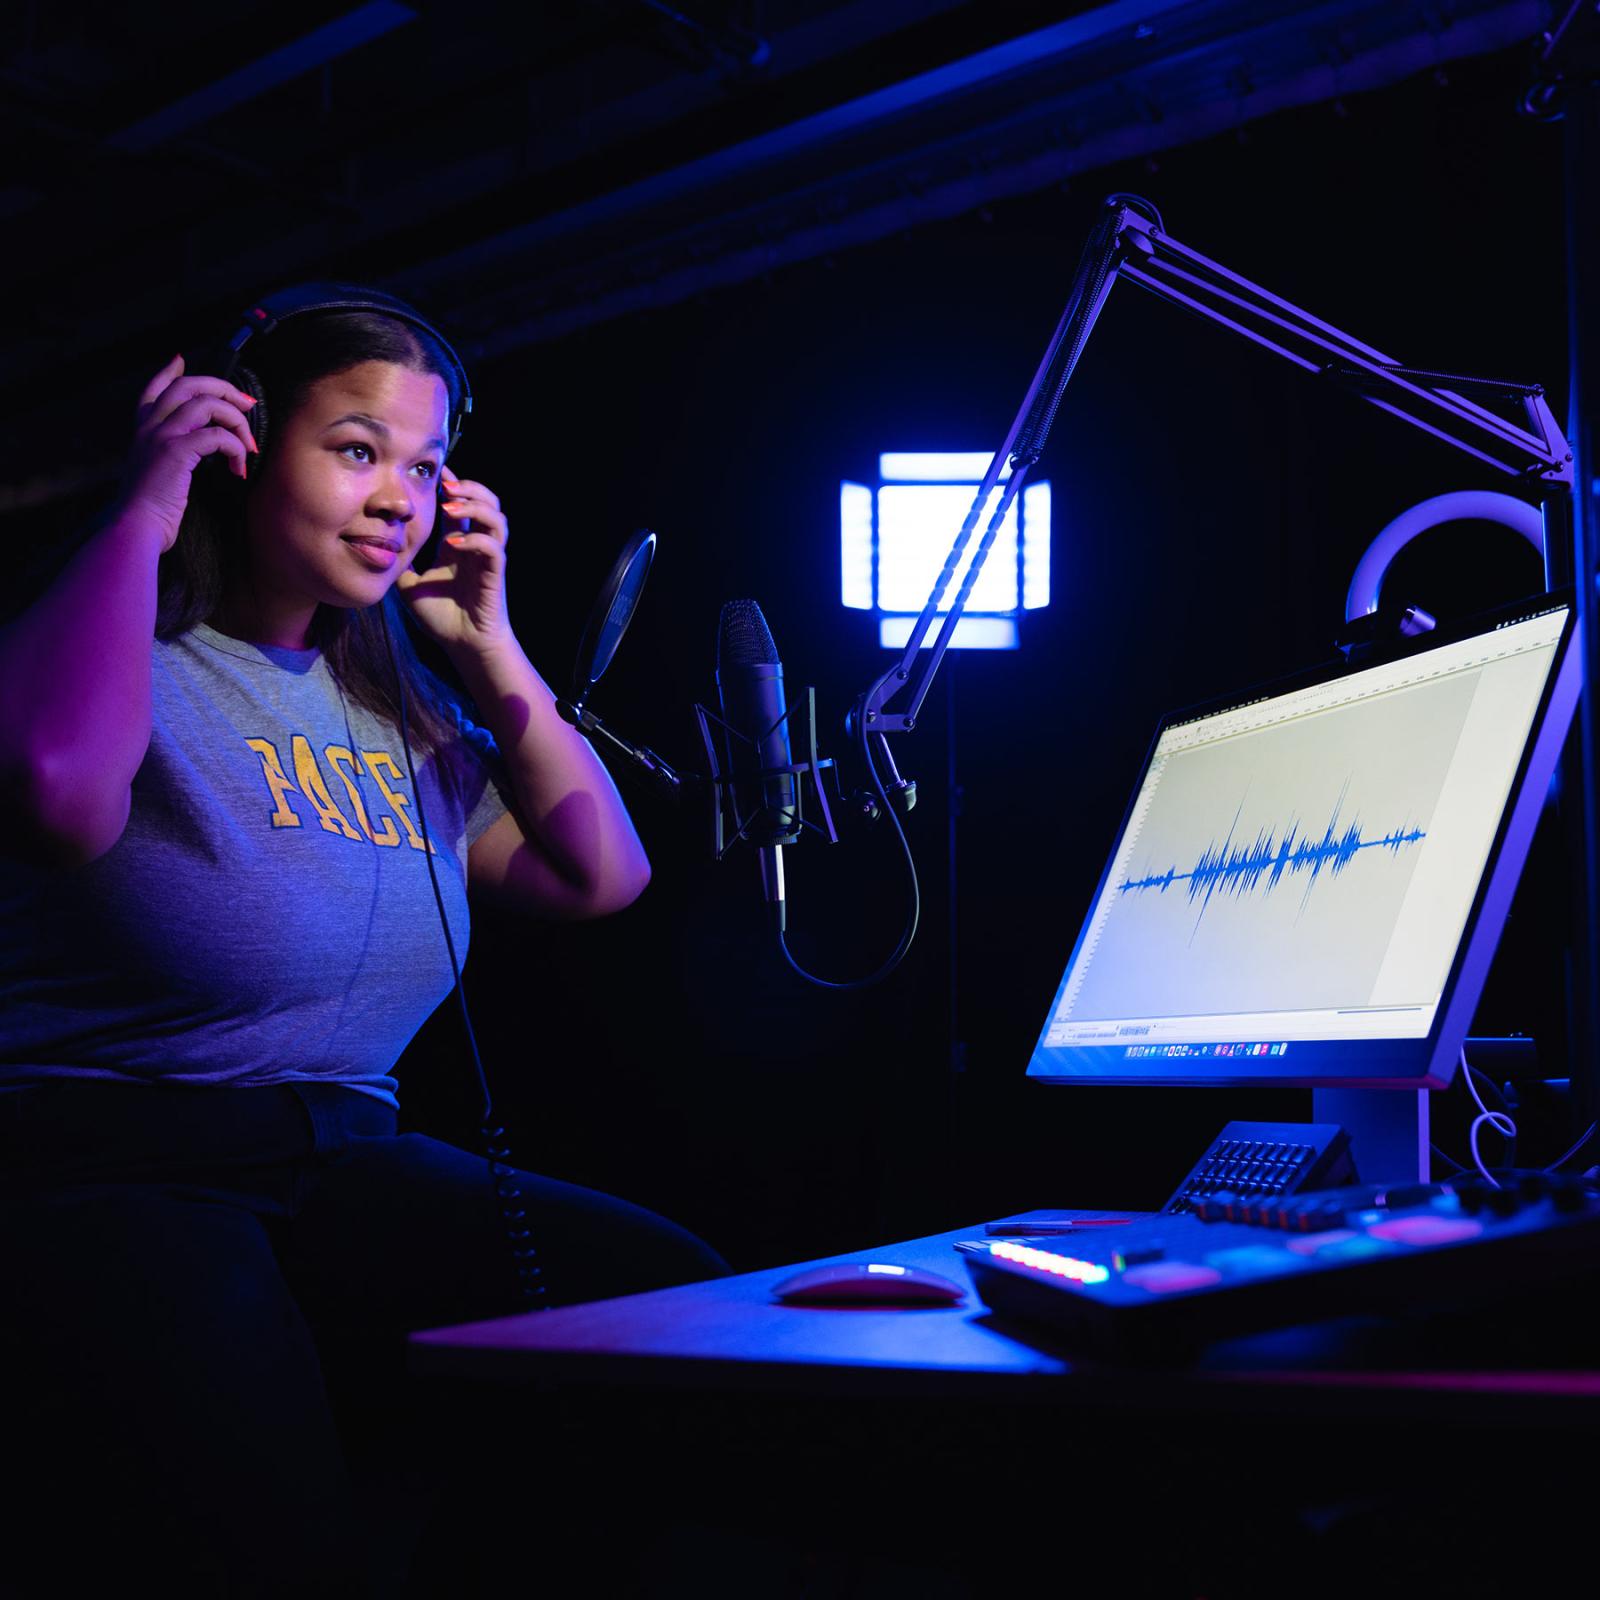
<point>303,299</point>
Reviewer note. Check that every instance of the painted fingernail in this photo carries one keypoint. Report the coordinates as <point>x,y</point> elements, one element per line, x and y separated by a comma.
<point>248,400</point>
<point>454,538</point>
<point>451,505</point>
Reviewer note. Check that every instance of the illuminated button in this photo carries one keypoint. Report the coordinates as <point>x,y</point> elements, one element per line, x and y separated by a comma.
<point>1051,1261</point>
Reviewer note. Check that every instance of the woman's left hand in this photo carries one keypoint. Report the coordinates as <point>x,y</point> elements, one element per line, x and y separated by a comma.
<point>461,599</point>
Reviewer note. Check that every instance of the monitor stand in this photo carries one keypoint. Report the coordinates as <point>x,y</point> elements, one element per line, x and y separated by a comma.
<point>1388,1130</point>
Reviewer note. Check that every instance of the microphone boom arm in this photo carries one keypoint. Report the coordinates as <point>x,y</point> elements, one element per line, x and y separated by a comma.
<point>1127,243</point>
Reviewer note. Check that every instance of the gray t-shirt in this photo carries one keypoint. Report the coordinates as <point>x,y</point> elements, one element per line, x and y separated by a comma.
<point>267,915</point>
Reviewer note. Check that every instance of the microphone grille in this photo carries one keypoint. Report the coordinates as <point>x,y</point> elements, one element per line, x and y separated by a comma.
<point>744,639</point>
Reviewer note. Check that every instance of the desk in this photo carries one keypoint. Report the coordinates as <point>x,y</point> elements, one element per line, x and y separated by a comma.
<point>939,1415</point>
<point>729,1333</point>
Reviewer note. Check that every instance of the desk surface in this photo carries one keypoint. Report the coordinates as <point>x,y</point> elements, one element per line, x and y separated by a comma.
<point>730,1333</point>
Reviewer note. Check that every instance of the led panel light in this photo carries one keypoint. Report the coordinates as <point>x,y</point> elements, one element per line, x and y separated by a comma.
<point>855,545</point>
<point>917,524</point>
<point>895,539</point>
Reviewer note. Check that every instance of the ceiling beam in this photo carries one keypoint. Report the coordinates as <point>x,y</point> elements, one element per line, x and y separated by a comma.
<point>256,78</point>
<point>1008,121</point>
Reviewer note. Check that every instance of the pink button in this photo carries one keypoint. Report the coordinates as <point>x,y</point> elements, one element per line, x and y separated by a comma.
<point>1426,1230</point>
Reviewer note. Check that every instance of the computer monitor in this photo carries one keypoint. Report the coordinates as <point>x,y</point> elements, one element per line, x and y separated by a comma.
<point>1311,878</point>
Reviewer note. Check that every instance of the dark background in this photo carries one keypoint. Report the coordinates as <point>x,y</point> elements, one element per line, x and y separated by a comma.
<point>1210,504</point>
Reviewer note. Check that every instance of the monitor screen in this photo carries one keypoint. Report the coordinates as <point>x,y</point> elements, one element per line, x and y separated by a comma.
<point>1310,880</point>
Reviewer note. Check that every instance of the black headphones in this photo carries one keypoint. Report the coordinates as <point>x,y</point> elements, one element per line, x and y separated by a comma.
<point>304,299</point>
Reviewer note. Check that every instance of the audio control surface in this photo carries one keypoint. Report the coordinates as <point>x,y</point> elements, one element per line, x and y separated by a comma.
<point>1166,1285</point>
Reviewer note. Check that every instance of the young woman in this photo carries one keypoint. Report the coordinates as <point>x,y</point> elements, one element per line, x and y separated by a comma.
<point>218,931</point>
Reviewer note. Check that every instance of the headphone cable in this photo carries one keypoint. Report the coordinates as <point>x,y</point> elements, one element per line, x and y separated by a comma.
<point>531,1288</point>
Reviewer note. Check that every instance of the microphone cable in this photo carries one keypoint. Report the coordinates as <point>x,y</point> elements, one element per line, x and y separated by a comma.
<point>910,932</point>
<point>531,1288</point>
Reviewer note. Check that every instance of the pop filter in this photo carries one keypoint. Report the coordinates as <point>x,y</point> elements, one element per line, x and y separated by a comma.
<point>612,613</point>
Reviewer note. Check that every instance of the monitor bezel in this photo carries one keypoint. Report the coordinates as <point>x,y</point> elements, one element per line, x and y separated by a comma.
<point>1426,1062</point>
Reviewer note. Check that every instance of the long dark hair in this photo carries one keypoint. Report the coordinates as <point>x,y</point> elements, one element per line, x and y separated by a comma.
<point>208,558</point>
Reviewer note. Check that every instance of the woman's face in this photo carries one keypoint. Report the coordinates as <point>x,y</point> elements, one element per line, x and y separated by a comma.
<point>347,495</point>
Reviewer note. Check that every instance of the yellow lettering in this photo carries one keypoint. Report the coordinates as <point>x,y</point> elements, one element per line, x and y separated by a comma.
<point>376,760</point>
<point>315,790</point>
<point>272,771</point>
<point>338,757</point>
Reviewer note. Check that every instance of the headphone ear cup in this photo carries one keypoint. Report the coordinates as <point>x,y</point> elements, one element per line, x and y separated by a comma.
<point>256,417</point>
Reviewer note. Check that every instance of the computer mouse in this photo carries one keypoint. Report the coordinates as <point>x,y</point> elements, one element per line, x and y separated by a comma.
<point>868,1283</point>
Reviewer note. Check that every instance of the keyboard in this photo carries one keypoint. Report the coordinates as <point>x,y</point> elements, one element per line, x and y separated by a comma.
<point>1267,1158</point>
<point>1165,1285</point>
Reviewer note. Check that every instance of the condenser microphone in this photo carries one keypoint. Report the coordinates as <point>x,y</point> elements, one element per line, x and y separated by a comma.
<point>750,698</point>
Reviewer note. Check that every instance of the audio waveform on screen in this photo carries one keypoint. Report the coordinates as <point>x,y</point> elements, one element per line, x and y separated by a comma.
<point>1240,869</point>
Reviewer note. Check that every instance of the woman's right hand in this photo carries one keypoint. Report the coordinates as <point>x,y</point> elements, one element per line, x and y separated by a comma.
<point>181,420</point>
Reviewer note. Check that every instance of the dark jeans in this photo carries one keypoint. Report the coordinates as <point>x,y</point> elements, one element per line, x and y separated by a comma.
<point>203,1287</point>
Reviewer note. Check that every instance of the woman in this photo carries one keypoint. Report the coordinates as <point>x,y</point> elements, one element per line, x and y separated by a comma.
<point>220,932</point>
